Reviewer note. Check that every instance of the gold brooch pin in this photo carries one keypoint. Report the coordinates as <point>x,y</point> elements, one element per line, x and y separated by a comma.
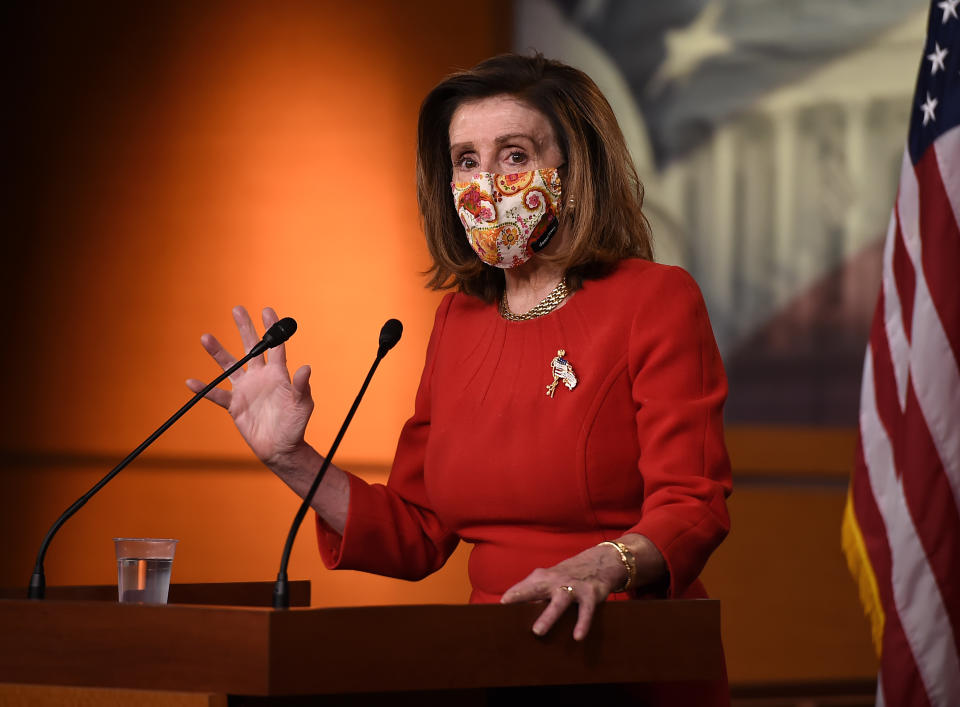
<point>562,371</point>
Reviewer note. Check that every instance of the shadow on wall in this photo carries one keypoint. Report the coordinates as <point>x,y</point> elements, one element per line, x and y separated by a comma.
<point>805,363</point>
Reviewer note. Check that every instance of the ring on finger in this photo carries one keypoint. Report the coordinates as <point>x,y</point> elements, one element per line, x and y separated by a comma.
<point>569,590</point>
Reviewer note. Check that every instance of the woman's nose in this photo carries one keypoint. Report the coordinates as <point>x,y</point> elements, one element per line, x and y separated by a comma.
<point>487,164</point>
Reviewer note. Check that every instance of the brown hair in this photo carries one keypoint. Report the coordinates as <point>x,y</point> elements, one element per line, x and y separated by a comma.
<point>606,222</point>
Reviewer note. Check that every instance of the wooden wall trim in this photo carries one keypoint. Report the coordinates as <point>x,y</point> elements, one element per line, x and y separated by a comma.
<point>772,450</point>
<point>815,453</point>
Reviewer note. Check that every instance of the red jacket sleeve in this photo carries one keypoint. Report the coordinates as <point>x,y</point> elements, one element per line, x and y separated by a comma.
<point>679,387</point>
<point>390,529</point>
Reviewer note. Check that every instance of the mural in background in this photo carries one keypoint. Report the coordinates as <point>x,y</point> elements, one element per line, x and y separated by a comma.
<point>769,136</point>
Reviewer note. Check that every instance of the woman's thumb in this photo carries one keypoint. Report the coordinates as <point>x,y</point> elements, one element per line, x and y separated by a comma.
<point>301,382</point>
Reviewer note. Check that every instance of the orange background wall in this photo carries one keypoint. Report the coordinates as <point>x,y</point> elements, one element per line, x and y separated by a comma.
<point>173,160</point>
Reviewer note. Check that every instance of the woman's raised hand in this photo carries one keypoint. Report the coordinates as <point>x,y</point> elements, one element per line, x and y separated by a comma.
<point>269,408</point>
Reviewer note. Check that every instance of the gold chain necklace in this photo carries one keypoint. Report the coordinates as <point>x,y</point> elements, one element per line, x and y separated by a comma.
<point>545,306</point>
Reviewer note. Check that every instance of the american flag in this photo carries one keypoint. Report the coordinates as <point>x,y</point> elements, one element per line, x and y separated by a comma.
<point>901,528</point>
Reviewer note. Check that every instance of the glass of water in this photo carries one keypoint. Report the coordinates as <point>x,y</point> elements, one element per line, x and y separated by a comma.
<point>143,569</point>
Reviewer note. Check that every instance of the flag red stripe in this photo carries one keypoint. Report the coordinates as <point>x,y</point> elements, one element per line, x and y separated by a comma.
<point>901,680</point>
<point>898,672</point>
<point>895,648</point>
<point>905,277</point>
<point>873,529</point>
<point>941,246</point>
<point>885,384</point>
<point>926,488</point>
<point>896,651</point>
<point>934,511</point>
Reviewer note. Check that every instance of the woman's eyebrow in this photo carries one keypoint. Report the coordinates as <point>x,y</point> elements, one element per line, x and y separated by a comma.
<point>513,136</point>
<point>501,140</point>
<point>461,147</point>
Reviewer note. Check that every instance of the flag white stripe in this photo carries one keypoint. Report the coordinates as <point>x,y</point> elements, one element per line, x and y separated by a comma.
<point>933,369</point>
<point>947,148</point>
<point>908,207</point>
<point>936,381</point>
<point>893,317</point>
<point>916,597</point>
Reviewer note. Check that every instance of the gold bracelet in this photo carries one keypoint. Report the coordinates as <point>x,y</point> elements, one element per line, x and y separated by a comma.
<point>628,560</point>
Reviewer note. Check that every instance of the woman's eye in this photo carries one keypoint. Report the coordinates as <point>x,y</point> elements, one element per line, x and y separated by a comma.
<point>465,162</point>
<point>517,157</point>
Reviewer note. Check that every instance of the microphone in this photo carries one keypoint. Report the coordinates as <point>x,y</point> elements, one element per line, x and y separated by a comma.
<point>389,336</point>
<point>275,335</point>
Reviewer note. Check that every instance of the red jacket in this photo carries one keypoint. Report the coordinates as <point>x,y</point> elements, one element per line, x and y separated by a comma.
<point>488,457</point>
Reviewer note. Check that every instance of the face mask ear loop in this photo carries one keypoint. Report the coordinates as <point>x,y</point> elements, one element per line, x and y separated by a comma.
<point>570,203</point>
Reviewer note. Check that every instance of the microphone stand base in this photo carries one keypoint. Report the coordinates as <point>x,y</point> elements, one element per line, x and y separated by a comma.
<point>38,586</point>
<point>281,594</point>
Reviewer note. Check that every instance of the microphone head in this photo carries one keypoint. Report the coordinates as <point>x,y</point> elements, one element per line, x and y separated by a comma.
<point>280,332</point>
<point>389,335</point>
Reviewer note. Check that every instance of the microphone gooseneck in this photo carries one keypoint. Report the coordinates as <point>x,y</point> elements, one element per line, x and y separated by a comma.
<point>278,333</point>
<point>389,336</point>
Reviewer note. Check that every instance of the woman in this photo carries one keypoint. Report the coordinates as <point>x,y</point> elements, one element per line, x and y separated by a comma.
<point>569,414</point>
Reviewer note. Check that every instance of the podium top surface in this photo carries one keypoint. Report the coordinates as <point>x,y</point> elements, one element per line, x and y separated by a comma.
<point>262,651</point>
<point>213,593</point>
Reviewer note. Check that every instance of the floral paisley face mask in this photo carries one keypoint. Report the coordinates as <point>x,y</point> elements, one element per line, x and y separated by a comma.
<point>509,217</point>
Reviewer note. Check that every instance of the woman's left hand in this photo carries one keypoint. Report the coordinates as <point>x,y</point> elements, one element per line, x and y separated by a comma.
<point>587,579</point>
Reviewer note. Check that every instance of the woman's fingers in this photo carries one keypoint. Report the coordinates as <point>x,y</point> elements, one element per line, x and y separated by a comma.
<point>561,585</point>
<point>536,585</point>
<point>278,354</point>
<point>560,599</point>
<point>584,616</point>
<point>543,584</point>
<point>223,357</point>
<point>218,396</point>
<point>248,334</point>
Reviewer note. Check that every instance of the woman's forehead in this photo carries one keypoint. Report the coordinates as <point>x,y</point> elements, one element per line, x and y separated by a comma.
<point>488,120</point>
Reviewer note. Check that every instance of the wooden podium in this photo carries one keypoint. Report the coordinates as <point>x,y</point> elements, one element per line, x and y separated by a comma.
<point>357,655</point>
